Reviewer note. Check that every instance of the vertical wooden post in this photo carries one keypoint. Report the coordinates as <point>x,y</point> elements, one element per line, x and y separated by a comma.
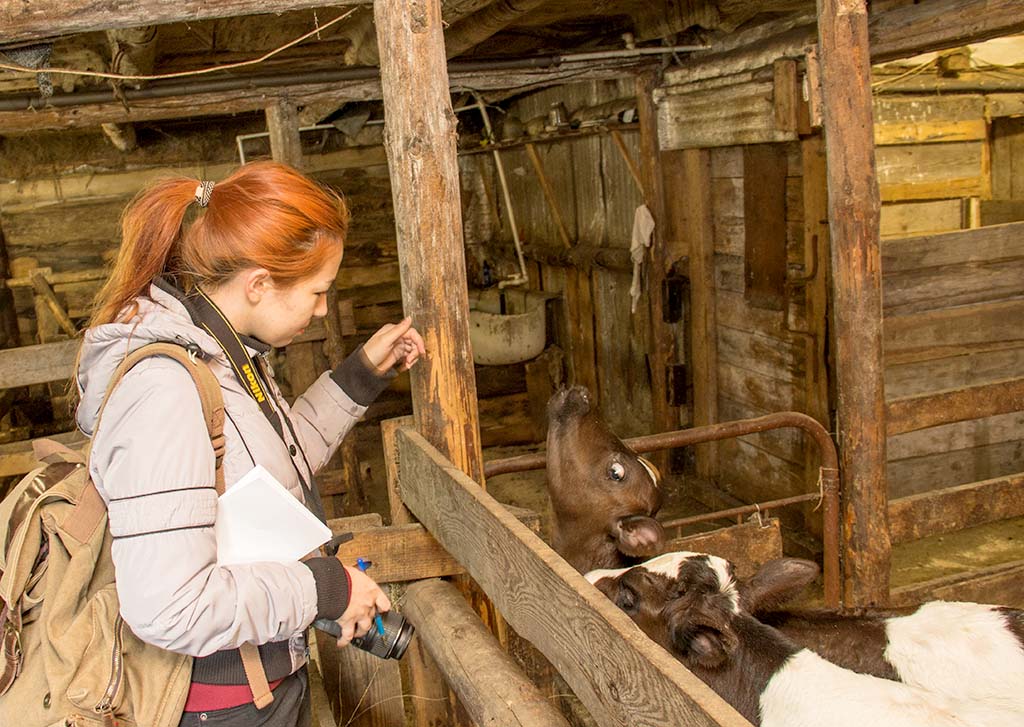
<point>283,125</point>
<point>856,272</point>
<point>419,137</point>
<point>662,347</point>
<point>704,330</point>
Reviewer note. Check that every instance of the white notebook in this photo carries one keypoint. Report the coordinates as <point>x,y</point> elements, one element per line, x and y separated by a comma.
<point>259,520</point>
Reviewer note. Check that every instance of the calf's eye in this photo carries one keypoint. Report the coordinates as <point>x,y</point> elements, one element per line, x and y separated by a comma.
<point>616,471</point>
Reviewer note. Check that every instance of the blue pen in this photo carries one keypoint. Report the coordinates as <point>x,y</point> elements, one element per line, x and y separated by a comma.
<point>363,565</point>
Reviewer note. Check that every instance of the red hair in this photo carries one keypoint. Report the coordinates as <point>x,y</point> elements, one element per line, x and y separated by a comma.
<point>265,215</point>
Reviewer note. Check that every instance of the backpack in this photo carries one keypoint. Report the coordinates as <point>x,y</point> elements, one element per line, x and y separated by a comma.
<point>66,656</point>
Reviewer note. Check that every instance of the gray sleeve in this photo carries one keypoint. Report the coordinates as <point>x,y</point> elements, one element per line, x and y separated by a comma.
<point>153,464</point>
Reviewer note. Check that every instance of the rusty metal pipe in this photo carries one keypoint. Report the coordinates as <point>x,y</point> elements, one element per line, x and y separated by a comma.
<point>828,474</point>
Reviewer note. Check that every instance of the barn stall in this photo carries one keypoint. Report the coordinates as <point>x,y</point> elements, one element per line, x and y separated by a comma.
<point>760,293</point>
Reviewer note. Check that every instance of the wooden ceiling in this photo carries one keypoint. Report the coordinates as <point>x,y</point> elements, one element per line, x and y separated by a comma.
<point>107,36</point>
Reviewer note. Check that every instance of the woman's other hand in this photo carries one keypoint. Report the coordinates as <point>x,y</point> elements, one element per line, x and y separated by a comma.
<point>394,345</point>
<point>366,600</point>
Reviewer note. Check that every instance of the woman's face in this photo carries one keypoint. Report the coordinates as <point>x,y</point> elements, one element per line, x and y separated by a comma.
<point>284,312</point>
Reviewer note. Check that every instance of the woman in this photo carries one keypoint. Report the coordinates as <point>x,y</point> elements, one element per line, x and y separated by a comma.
<point>227,270</point>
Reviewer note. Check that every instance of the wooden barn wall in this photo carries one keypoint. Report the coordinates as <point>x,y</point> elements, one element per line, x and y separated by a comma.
<point>952,303</point>
<point>761,360</point>
<point>597,198</point>
<point>68,223</point>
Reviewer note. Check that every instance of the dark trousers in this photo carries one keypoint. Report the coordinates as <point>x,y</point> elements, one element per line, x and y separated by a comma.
<point>290,708</point>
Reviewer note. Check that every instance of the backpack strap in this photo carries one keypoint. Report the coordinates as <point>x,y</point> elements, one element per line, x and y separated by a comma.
<point>212,401</point>
<point>210,396</point>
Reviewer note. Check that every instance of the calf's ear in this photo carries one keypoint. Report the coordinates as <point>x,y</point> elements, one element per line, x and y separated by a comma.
<point>639,536</point>
<point>776,583</point>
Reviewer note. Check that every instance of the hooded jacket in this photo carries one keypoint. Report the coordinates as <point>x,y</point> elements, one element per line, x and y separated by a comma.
<point>152,463</point>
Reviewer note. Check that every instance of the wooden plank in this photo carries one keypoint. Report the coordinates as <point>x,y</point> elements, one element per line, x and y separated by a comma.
<point>942,469</point>
<point>787,100</point>
<point>618,673</point>
<point>930,171</point>
<point>907,219</point>
<point>953,331</point>
<point>703,302</point>
<point>1001,584</point>
<point>985,244</point>
<point>927,289</point>
<point>38,364</point>
<point>491,686</point>
<point>747,546</point>
<point>963,435</point>
<point>764,200</point>
<point>856,275</point>
<point>762,353</point>
<point>956,508</point>
<point>919,412</point>
<point>763,392</point>
<point>954,372</point>
<point>907,109</point>
<point>930,132</point>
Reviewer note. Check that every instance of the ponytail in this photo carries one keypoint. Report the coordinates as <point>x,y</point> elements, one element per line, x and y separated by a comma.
<point>151,229</point>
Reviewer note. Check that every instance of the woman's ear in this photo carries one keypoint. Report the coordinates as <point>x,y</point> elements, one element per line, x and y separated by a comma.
<point>256,282</point>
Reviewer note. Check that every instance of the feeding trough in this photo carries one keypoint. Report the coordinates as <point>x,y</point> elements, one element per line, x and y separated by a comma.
<point>506,326</point>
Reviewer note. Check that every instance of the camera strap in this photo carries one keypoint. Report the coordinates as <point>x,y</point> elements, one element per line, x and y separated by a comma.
<point>250,373</point>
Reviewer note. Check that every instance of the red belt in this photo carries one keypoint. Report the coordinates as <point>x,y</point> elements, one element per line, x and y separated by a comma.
<point>211,697</point>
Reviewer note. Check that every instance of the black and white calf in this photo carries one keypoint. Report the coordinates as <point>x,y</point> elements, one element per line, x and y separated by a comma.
<point>692,605</point>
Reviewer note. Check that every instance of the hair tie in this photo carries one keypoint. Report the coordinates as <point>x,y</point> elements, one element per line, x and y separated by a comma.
<point>203,192</point>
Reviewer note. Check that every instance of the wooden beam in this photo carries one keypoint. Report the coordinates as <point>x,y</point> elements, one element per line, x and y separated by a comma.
<point>420,142</point>
<point>956,508</point>
<point>616,671</point>
<point>1002,584</point>
<point>283,125</point>
<point>53,18</point>
<point>39,364</point>
<point>941,24</point>
<point>704,328</point>
<point>196,102</point>
<point>912,413</point>
<point>49,298</point>
<point>857,281</point>
<point>490,685</point>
